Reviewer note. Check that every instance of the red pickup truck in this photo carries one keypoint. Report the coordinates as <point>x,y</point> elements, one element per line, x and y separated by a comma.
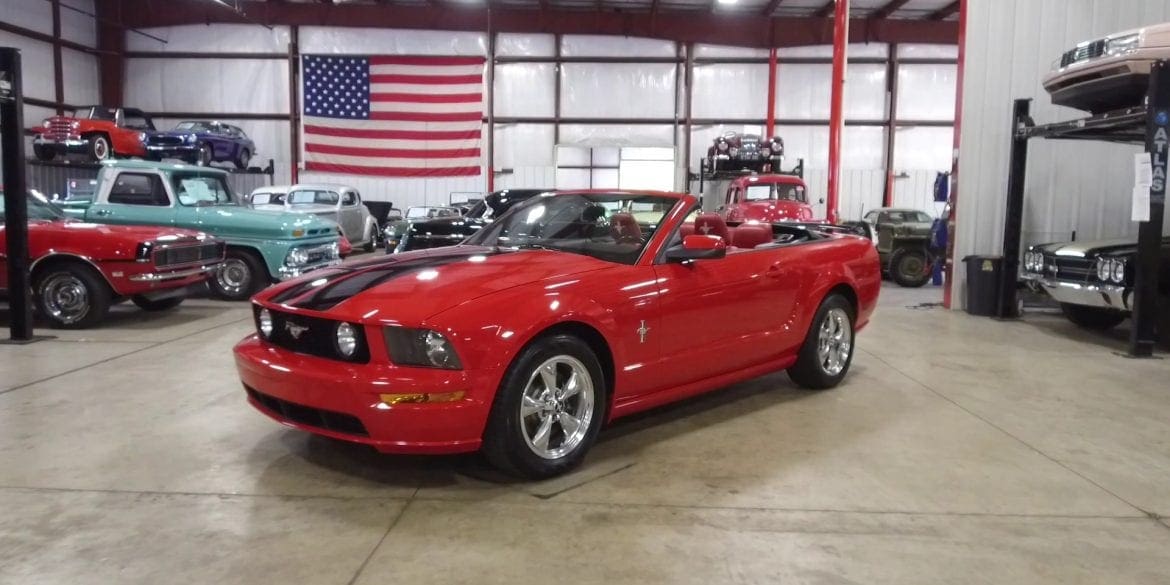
<point>99,132</point>
<point>766,199</point>
<point>80,269</point>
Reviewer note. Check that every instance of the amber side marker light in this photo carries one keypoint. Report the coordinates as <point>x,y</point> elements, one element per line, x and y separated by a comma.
<point>420,398</point>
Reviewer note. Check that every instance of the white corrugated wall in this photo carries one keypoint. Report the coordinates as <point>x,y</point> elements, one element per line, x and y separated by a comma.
<point>1071,186</point>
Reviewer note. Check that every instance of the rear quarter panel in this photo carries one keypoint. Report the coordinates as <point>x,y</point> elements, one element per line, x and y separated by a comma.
<point>843,260</point>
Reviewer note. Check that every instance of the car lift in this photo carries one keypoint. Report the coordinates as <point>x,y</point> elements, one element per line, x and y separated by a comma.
<point>1149,125</point>
<point>15,197</point>
<point>706,174</point>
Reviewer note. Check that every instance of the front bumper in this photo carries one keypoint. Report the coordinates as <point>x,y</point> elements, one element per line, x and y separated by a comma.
<point>179,274</point>
<point>70,146</point>
<point>343,400</point>
<point>1101,84</point>
<point>172,150</point>
<point>286,272</point>
<point>1104,296</point>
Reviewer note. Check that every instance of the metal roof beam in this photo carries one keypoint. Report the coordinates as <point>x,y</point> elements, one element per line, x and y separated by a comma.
<point>826,10</point>
<point>770,9</point>
<point>888,8</point>
<point>945,11</point>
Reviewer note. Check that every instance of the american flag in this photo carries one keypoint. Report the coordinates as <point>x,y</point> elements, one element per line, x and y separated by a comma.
<point>393,116</point>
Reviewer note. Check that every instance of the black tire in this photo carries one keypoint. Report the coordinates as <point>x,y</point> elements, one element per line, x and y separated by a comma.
<point>44,153</point>
<point>505,440</point>
<point>164,304</point>
<point>1095,318</point>
<point>243,158</point>
<point>810,370</point>
<point>71,295</point>
<point>100,148</point>
<point>204,156</point>
<point>240,276</point>
<point>910,267</point>
<point>372,242</point>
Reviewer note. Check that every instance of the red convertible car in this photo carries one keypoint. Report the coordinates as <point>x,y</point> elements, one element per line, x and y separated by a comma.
<point>79,269</point>
<point>568,311</point>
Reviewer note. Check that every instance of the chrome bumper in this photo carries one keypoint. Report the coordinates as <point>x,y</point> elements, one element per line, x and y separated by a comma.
<point>287,272</point>
<point>181,148</point>
<point>174,274</point>
<point>1105,296</point>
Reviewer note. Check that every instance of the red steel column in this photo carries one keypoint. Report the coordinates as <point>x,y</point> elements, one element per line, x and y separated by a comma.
<point>771,124</point>
<point>836,113</point>
<point>949,264</point>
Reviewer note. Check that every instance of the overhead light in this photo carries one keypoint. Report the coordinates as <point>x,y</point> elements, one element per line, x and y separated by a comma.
<point>727,1</point>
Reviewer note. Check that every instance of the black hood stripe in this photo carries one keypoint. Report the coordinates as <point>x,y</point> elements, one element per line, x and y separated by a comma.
<point>350,281</point>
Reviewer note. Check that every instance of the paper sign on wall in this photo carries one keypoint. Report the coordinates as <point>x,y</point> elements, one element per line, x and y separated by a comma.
<point>1143,177</point>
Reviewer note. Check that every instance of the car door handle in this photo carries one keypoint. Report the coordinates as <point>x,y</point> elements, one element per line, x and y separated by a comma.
<point>773,271</point>
<point>101,212</point>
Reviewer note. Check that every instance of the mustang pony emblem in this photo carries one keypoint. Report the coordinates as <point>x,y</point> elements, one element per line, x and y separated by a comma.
<point>296,331</point>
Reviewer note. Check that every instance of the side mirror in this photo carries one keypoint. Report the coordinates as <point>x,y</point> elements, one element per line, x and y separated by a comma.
<point>697,247</point>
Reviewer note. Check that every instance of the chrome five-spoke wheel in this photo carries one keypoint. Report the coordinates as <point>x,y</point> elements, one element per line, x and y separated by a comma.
<point>834,341</point>
<point>556,408</point>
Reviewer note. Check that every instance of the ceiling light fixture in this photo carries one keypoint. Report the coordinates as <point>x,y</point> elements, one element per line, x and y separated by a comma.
<point>727,1</point>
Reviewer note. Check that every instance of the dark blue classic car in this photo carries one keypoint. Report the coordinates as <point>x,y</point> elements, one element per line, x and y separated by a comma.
<point>213,142</point>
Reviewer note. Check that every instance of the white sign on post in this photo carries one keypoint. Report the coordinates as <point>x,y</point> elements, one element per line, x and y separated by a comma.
<point>1143,178</point>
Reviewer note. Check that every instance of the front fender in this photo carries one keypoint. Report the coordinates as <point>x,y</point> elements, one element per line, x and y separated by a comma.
<point>490,332</point>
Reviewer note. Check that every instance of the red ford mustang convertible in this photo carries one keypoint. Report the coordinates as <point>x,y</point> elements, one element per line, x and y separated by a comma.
<point>570,310</point>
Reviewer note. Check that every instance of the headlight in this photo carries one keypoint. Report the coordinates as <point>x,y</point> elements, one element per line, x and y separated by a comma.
<point>733,151</point>
<point>46,124</point>
<point>1104,269</point>
<point>190,138</point>
<point>265,323</point>
<point>75,124</point>
<point>334,250</point>
<point>765,152</point>
<point>142,136</point>
<point>778,146</point>
<point>1123,45</point>
<point>346,340</point>
<point>420,347</point>
<point>722,146</point>
<point>1117,272</point>
<point>297,257</point>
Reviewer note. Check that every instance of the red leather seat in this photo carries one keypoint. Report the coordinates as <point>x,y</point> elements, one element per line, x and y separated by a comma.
<point>625,229</point>
<point>711,224</point>
<point>750,235</point>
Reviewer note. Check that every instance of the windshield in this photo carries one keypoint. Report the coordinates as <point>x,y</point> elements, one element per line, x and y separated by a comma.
<point>431,212</point>
<point>908,217</point>
<point>777,191</point>
<point>268,199</point>
<point>97,113</point>
<point>39,208</point>
<point>311,196</point>
<point>193,126</point>
<point>613,227</point>
<point>194,189</point>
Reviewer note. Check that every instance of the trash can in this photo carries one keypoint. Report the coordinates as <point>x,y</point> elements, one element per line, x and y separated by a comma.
<point>983,278</point>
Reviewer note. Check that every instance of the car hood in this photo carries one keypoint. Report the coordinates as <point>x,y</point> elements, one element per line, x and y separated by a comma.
<point>1092,248</point>
<point>126,233</point>
<point>243,222</point>
<point>408,288</point>
<point>447,225</point>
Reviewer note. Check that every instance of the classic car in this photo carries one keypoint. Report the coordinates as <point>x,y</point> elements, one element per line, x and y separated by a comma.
<point>1108,73</point>
<point>1093,280</point>
<point>98,132</point>
<point>902,237</point>
<point>555,318</point>
<point>218,142</point>
<point>406,235</point>
<point>766,198</point>
<point>337,203</point>
<point>431,212</point>
<point>734,152</point>
<point>80,269</point>
<point>262,246</point>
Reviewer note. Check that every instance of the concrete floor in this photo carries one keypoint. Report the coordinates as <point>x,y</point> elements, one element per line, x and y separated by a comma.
<point>959,450</point>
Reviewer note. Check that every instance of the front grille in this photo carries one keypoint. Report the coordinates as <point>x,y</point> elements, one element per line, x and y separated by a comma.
<point>1083,53</point>
<point>1069,268</point>
<point>166,140</point>
<point>168,257</point>
<point>59,130</point>
<point>307,415</point>
<point>311,335</point>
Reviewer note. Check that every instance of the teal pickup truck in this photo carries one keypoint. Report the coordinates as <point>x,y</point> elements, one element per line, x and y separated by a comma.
<point>262,246</point>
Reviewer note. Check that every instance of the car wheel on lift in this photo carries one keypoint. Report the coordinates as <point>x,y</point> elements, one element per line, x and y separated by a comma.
<point>71,295</point>
<point>243,159</point>
<point>44,153</point>
<point>165,304</point>
<point>1095,318</point>
<point>548,410</point>
<point>910,268</point>
<point>99,148</point>
<point>827,352</point>
<point>238,277</point>
<point>203,158</point>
